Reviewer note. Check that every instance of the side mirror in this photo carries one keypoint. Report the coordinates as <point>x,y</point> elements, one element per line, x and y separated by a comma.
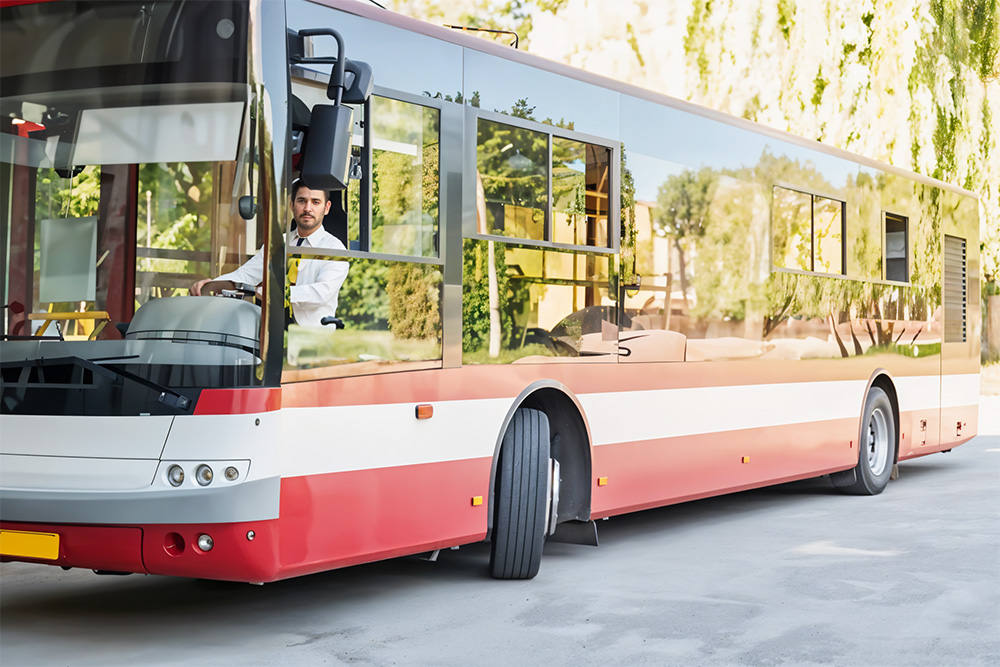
<point>327,159</point>
<point>248,207</point>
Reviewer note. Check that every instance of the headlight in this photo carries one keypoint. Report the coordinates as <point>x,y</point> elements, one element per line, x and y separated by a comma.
<point>204,474</point>
<point>175,475</point>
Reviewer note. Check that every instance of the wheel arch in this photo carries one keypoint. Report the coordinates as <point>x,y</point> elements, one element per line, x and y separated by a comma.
<point>571,445</point>
<point>882,379</point>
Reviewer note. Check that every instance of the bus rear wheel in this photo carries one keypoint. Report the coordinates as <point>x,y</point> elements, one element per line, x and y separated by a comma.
<point>520,497</point>
<point>877,447</point>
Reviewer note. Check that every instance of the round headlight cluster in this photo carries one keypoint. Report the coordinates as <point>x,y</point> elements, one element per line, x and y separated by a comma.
<point>204,474</point>
<point>175,475</point>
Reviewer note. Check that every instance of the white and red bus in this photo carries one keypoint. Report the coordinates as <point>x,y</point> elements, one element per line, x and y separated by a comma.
<point>568,298</point>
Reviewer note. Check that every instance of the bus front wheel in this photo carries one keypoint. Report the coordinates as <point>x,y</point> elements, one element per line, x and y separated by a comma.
<point>877,447</point>
<point>520,497</point>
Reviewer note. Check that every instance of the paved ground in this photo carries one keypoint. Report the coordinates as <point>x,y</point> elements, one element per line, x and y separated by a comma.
<point>796,574</point>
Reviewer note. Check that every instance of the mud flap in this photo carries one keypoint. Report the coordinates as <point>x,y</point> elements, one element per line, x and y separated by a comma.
<point>575,532</point>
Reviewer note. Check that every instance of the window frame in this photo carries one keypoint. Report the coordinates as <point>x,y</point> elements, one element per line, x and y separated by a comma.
<point>469,230</point>
<point>905,220</point>
<point>365,213</point>
<point>813,196</point>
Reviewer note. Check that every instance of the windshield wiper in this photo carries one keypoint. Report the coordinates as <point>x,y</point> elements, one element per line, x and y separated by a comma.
<point>167,396</point>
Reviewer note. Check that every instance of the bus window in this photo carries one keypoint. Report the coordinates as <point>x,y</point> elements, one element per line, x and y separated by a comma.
<point>792,229</point>
<point>580,186</point>
<point>538,186</point>
<point>513,168</point>
<point>405,156</point>
<point>391,318</point>
<point>389,304</point>
<point>525,304</point>
<point>808,232</point>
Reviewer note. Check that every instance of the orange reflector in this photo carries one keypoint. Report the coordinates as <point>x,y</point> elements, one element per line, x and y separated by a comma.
<point>602,481</point>
<point>425,411</point>
<point>746,459</point>
<point>477,501</point>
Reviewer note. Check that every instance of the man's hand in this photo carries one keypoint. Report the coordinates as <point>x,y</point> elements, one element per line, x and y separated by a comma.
<point>196,288</point>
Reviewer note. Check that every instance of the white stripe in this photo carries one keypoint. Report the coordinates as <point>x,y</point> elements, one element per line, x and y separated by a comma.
<point>668,413</point>
<point>959,390</point>
<point>304,441</point>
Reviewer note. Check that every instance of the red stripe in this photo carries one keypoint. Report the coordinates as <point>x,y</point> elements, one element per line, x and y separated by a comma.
<point>115,548</point>
<point>238,401</point>
<point>660,472</point>
<point>15,3</point>
<point>507,381</point>
<point>360,516</point>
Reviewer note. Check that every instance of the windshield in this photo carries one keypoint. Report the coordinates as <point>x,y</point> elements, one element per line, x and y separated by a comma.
<point>123,158</point>
<point>124,151</point>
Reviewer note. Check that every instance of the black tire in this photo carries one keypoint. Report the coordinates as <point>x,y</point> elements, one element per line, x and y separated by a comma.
<point>876,450</point>
<point>520,497</point>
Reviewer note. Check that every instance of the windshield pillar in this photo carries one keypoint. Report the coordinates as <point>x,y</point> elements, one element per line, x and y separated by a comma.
<point>117,216</point>
<point>268,76</point>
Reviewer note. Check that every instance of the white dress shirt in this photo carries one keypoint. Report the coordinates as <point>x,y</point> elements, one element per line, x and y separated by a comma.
<point>314,294</point>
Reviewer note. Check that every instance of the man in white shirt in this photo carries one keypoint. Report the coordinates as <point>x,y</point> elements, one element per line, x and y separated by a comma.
<point>314,294</point>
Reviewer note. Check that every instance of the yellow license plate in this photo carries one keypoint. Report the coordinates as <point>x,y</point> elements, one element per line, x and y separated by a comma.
<point>29,545</point>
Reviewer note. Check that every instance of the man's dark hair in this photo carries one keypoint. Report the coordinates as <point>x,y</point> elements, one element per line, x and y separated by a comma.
<point>298,184</point>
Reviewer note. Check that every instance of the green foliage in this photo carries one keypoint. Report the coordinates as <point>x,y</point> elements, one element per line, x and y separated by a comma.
<point>476,295</point>
<point>414,301</point>
<point>76,197</point>
<point>362,303</point>
<point>819,85</point>
<point>628,228</point>
<point>682,203</point>
<point>786,15</point>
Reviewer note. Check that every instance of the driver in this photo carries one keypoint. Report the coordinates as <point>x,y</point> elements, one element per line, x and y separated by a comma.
<point>314,292</point>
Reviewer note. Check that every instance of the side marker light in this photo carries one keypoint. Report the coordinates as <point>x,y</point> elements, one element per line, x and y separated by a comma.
<point>602,481</point>
<point>746,459</point>
<point>477,501</point>
<point>425,411</point>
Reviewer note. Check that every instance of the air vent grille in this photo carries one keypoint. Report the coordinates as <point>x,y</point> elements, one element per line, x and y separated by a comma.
<point>955,290</point>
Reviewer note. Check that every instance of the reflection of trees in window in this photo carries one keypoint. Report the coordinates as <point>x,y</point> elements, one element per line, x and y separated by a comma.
<point>414,293</point>
<point>628,229</point>
<point>828,221</point>
<point>513,166</point>
<point>405,155</point>
<point>791,216</point>
<point>580,185</point>
<point>807,231</point>
<point>476,327</point>
<point>682,214</point>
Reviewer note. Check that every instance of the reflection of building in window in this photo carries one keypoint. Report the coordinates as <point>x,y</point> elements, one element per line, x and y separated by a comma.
<point>807,231</point>
<point>896,249</point>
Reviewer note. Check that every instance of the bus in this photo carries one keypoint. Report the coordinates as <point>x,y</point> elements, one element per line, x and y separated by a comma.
<point>567,298</point>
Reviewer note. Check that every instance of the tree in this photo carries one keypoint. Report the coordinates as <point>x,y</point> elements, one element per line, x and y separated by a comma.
<point>682,214</point>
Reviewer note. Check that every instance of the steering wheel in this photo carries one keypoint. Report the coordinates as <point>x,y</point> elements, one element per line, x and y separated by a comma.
<point>228,289</point>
